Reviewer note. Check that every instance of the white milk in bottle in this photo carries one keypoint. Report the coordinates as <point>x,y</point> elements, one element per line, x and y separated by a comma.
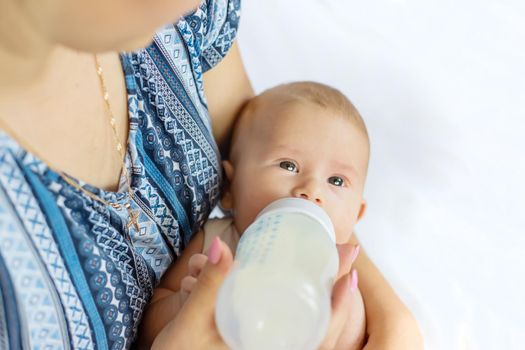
<point>278,293</point>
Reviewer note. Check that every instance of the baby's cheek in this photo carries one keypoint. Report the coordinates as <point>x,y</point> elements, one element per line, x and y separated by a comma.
<point>344,229</point>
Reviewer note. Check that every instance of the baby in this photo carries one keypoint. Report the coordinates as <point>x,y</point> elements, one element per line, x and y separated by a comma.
<point>302,140</point>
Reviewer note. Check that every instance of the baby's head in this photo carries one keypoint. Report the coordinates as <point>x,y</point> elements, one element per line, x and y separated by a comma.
<point>302,140</point>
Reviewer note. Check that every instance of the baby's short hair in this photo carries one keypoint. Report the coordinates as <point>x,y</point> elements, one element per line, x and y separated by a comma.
<point>311,92</point>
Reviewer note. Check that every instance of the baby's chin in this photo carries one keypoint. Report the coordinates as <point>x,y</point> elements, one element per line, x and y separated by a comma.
<point>343,238</point>
<point>240,226</point>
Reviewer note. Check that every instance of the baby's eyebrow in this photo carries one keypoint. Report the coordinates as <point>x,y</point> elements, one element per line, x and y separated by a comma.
<point>288,148</point>
<point>346,167</point>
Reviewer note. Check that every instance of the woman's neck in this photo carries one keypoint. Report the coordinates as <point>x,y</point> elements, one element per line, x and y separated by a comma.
<point>24,48</point>
<point>51,100</point>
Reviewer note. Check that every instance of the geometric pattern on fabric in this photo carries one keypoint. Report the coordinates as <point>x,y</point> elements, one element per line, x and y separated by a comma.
<point>72,276</point>
<point>38,303</point>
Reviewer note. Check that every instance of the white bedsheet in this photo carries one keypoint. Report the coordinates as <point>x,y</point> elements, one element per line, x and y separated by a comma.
<point>441,85</point>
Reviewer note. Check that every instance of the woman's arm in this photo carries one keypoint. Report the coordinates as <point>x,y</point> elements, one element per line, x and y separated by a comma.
<point>227,89</point>
<point>389,323</point>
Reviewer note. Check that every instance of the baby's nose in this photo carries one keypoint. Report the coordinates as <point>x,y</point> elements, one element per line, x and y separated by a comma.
<point>312,198</point>
<point>309,191</point>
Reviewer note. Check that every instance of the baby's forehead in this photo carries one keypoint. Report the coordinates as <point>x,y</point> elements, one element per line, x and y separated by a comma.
<point>277,118</point>
<point>272,110</point>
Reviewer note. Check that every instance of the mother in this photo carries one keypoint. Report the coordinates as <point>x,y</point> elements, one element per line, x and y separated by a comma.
<point>88,221</point>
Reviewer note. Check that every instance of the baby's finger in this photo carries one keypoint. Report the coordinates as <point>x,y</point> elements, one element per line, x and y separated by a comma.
<point>196,264</point>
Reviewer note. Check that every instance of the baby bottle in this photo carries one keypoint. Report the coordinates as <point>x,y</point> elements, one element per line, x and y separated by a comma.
<point>278,294</point>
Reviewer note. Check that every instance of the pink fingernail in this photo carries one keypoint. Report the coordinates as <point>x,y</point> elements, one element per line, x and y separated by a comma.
<point>214,253</point>
<point>353,281</point>
<point>355,253</point>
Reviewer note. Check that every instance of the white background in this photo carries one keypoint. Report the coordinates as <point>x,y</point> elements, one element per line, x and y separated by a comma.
<point>441,85</point>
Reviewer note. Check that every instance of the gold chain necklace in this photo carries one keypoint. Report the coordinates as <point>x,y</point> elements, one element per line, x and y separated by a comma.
<point>133,216</point>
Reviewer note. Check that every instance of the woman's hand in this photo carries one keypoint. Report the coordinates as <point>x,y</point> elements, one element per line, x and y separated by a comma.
<point>342,297</point>
<point>194,327</point>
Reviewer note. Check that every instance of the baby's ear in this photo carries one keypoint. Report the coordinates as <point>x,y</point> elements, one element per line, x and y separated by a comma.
<point>226,201</point>
<point>362,210</point>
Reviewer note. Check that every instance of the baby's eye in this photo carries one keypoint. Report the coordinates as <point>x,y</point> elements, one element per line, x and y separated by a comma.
<point>287,165</point>
<point>336,181</point>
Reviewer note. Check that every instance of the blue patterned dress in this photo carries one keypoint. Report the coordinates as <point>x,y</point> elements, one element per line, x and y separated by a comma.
<point>71,274</point>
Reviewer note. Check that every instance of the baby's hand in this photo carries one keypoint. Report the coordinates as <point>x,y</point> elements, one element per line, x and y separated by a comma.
<point>195,266</point>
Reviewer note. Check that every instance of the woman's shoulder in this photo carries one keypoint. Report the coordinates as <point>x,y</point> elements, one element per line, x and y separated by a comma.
<point>211,29</point>
<point>171,68</point>
<point>199,39</point>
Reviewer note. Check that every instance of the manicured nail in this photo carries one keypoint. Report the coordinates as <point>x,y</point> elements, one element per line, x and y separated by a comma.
<point>214,253</point>
<point>355,253</point>
<point>353,281</point>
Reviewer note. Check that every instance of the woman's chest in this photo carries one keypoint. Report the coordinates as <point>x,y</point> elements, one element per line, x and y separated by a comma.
<point>66,122</point>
